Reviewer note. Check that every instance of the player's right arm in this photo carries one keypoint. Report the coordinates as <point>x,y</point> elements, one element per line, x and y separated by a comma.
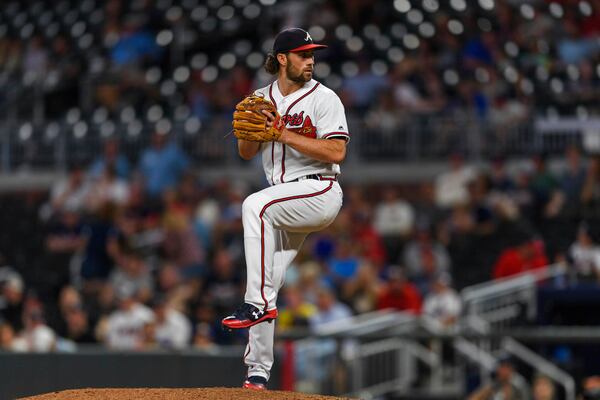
<point>248,149</point>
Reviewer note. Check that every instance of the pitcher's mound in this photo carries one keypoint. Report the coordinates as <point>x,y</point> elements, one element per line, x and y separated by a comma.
<point>179,394</point>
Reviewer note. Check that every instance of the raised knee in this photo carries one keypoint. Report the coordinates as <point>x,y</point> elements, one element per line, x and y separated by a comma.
<point>253,205</point>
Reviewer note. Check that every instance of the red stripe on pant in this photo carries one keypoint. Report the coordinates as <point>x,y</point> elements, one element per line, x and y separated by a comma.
<point>262,235</point>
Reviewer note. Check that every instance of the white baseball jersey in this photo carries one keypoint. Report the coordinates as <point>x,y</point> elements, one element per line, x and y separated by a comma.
<point>314,111</point>
<point>175,331</point>
<point>125,329</point>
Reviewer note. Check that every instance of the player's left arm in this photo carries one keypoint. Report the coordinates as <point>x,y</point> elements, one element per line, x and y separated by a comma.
<point>332,134</point>
<point>325,150</point>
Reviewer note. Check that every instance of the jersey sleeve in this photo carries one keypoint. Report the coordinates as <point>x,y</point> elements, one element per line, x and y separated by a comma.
<point>331,123</point>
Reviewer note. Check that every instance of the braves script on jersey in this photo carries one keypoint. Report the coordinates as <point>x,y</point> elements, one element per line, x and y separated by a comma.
<point>314,111</point>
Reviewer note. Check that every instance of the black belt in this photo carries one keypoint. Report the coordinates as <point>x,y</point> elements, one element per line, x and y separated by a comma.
<point>317,177</point>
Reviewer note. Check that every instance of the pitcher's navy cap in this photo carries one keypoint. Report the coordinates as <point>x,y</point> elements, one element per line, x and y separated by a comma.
<point>294,39</point>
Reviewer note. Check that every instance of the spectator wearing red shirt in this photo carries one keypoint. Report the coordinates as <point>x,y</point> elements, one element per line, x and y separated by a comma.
<point>370,243</point>
<point>398,293</point>
<point>527,256</point>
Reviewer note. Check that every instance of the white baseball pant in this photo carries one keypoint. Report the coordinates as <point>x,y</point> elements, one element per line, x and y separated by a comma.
<point>276,221</point>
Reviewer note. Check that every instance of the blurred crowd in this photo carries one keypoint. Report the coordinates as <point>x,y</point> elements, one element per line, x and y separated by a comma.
<point>137,253</point>
<point>147,256</point>
<point>154,60</point>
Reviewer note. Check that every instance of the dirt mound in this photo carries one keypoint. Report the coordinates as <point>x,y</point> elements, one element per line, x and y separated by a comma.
<point>179,394</point>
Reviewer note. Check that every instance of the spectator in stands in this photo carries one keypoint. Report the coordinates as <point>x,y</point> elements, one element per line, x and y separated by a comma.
<point>11,55</point>
<point>65,239</point>
<point>501,180</point>
<point>224,283</point>
<point>11,297</point>
<point>296,311</point>
<point>110,156</point>
<point>204,313</point>
<point>199,98</point>
<point>368,241</point>
<point>345,262</point>
<point>134,44</point>
<point>424,258</point>
<point>78,327</point>
<point>203,337</point>
<point>480,50</point>
<point>62,79</point>
<point>35,59</point>
<point>585,256</point>
<point>527,255</point>
<point>36,335</point>
<point>132,277</point>
<point>507,114</point>
<point>442,304</point>
<point>399,293</point>
<point>329,309</point>
<point>573,179</point>
<point>394,220</point>
<point>590,193</point>
<point>181,244</point>
<point>229,232</point>
<point>148,341</point>
<point>384,121</point>
<point>206,217</point>
<point>123,329</point>
<point>107,188</point>
<point>363,88</point>
<point>70,193</point>
<point>409,95</point>
<point>162,165</point>
<point>522,194</point>
<point>543,184</point>
<point>507,384</point>
<point>7,338</point>
<point>168,279</point>
<point>426,210</point>
<point>451,186</point>
<point>591,388</point>
<point>573,47</point>
<point>97,263</point>
<point>310,280</point>
<point>362,290</point>
<point>172,328</point>
<point>543,388</point>
<point>73,322</point>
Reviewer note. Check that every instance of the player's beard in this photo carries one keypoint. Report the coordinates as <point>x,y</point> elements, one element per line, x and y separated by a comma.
<point>295,75</point>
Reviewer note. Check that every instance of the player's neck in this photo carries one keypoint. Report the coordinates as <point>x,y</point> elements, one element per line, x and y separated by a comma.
<point>287,86</point>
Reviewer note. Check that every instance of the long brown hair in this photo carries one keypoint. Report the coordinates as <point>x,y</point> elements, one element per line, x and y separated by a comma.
<point>271,64</point>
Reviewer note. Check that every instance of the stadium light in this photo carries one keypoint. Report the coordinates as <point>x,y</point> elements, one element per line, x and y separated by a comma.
<point>225,13</point>
<point>402,6</point>
<point>251,11</point>
<point>227,61</point>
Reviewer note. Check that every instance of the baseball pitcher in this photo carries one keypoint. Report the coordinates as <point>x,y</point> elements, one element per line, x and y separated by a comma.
<point>299,127</point>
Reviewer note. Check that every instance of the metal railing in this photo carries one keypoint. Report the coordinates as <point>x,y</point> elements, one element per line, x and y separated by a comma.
<point>53,145</point>
<point>541,365</point>
<point>504,301</point>
<point>380,352</point>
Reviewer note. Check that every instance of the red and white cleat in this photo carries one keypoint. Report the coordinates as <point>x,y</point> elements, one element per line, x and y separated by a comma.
<point>255,383</point>
<point>248,315</point>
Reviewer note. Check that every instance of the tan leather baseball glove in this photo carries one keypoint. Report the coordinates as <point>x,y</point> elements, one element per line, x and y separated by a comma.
<point>249,123</point>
